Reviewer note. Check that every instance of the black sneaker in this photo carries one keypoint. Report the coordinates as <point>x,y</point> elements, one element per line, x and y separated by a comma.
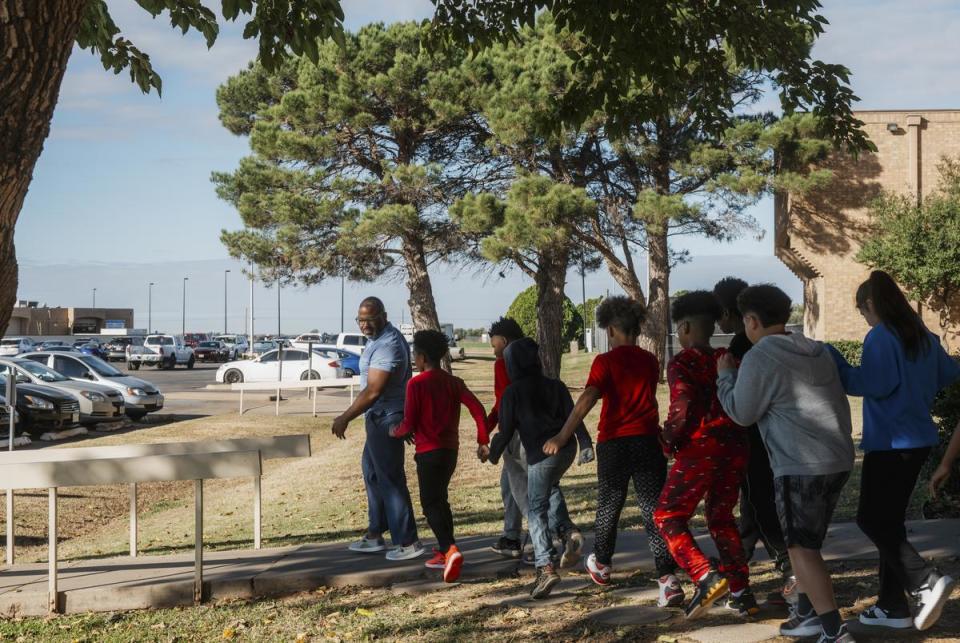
<point>507,547</point>
<point>547,579</point>
<point>843,636</point>
<point>801,625</point>
<point>745,604</point>
<point>712,587</point>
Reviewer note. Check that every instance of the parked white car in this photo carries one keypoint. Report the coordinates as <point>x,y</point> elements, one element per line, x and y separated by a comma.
<point>237,344</point>
<point>162,351</point>
<point>353,342</point>
<point>98,403</point>
<point>297,365</point>
<point>11,346</point>
<point>139,396</point>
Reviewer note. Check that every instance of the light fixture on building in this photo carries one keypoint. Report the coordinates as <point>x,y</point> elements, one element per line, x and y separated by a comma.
<point>893,128</point>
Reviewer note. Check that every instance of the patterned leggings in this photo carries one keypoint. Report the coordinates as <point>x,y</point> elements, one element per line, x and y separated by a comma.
<point>711,471</point>
<point>641,458</point>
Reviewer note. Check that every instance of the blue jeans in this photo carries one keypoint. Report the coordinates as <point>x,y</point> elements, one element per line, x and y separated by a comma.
<point>513,490</point>
<point>388,500</point>
<point>543,481</point>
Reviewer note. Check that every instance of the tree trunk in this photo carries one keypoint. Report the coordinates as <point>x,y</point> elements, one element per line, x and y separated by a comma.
<point>654,335</point>
<point>550,280</point>
<point>37,37</point>
<point>423,307</point>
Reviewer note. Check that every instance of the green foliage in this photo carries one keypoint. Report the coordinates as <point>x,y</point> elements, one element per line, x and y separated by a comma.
<point>283,27</point>
<point>524,311</point>
<point>946,412</point>
<point>851,349</point>
<point>355,157</point>
<point>796,314</point>
<point>588,311</point>
<point>658,45</point>
<point>919,244</point>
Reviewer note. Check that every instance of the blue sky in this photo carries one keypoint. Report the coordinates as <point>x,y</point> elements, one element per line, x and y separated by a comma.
<point>121,195</point>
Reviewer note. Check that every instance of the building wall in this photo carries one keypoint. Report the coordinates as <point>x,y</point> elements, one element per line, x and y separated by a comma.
<point>818,236</point>
<point>61,321</point>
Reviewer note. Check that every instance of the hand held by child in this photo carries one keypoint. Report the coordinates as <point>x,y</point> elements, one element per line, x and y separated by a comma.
<point>727,362</point>
<point>586,455</point>
<point>939,477</point>
<point>483,452</point>
<point>553,446</point>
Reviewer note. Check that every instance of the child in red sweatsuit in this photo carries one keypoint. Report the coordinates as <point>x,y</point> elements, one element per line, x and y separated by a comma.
<point>431,415</point>
<point>710,457</point>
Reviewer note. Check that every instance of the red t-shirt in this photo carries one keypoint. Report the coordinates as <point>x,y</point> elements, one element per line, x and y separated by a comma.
<point>627,378</point>
<point>432,411</point>
<point>501,380</point>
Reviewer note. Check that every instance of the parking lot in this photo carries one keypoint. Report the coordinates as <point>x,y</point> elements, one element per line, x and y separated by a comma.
<point>177,380</point>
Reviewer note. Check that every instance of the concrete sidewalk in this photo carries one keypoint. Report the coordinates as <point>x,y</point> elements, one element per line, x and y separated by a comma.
<point>167,581</point>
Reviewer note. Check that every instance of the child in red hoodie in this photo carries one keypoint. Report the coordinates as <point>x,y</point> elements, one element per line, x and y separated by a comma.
<point>710,457</point>
<point>431,416</point>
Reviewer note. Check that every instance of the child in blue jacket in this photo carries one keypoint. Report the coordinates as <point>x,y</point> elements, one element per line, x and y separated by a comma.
<point>902,369</point>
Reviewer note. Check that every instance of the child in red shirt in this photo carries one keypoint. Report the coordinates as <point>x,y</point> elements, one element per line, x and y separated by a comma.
<point>710,457</point>
<point>431,416</point>
<point>626,379</point>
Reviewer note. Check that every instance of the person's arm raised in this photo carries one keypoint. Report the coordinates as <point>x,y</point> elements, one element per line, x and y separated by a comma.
<point>585,403</point>
<point>376,384</point>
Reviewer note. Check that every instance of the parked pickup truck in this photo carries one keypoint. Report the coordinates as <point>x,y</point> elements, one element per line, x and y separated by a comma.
<point>162,351</point>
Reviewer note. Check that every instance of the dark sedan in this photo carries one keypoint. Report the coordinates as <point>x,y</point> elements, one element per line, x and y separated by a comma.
<point>42,408</point>
<point>211,352</point>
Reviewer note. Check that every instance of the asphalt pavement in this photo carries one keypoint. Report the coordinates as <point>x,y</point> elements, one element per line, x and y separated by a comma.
<point>178,380</point>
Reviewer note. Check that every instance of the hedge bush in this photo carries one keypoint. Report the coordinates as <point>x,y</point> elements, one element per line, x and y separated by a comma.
<point>851,349</point>
<point>524,311</point>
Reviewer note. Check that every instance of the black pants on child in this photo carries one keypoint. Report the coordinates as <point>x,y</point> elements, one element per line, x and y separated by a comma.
<point>886,483</point>
<point>434,470</point>
<point>641,458</point>
<point>758,508</point>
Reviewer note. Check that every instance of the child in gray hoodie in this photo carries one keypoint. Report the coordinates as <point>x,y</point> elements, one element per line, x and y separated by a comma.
<point>789,386</point>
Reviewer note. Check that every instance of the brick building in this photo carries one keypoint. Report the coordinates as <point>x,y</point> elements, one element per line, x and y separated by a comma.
<point>32,320</point>
<point>818,236</point>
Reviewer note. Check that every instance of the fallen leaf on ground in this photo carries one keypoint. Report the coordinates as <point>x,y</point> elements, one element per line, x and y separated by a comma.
<point>362,611</point>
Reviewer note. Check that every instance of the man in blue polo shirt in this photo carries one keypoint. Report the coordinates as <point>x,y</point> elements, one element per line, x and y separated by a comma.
<point>384,372</point>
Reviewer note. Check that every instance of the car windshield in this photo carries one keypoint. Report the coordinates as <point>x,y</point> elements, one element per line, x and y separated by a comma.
<point>100,366</point>
<point>209,345</point>
<point>9,342</point>
<point>42,372</point>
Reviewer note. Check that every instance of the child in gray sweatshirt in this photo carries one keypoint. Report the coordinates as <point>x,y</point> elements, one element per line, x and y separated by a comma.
<point>789,386</point>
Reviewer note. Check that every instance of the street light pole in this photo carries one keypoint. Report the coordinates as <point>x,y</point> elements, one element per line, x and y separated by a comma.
<point>225,301</point>
<point>149,307</point>
<point>94,297</point>
<point>341,302</point>
<point>183,320</point>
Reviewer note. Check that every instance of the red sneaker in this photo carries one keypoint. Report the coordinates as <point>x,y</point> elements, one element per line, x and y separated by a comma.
<point>451,570</point>
<point>438,561</point>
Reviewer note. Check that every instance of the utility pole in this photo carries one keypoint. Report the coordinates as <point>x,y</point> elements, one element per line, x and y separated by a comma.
<point>225,301</point>
<point>150,307</point>
<point>94,297</point>
<point>183,310</point>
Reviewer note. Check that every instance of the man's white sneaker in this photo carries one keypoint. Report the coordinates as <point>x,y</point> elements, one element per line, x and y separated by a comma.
<point>931,598</point>
<point>671,592</point>
<point>368,545</point>
<point>879,617</point>
<point>406,553</point>
<point>599,573</point>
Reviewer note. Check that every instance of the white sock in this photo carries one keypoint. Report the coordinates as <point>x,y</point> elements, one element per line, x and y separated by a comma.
<point>705,574</point>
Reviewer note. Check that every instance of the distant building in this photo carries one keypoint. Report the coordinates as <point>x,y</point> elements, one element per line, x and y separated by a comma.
<point>30,319</point>
<point>818,236</point>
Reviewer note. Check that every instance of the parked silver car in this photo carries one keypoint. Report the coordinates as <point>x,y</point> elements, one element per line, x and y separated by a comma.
<point>139,396</point>
<point>98,403</point>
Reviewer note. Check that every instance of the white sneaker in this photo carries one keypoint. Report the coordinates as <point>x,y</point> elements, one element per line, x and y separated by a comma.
<point>671,592</point>
<point>599,573</point>
<point>406,553</point>
<point>930,600</point>
<point>801,625</point>
<point>368,545</point>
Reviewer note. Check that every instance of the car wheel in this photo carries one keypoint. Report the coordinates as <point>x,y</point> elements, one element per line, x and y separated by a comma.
<point>136,415</point>
<point>190,362</point>
<point>171,363</point>
<point>309,375</point>
<point>89,425</point>
<point>133,366</point>
<point>233,376</point>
